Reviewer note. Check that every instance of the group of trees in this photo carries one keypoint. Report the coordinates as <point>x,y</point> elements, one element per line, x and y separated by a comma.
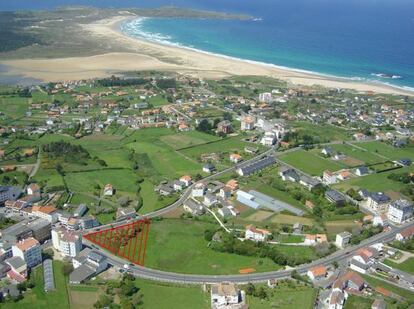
<point>69,152</point>
<point>231,244</point>
<point>115,82</point>
<point>125,290</point>
<point>405,178</point>
<point>300,138</point>
<point>365,234</point>
<point>167,83</point>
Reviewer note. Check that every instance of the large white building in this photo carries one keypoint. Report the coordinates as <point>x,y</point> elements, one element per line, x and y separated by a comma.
<point>69,243</point>
<point>378,201</point>
<point>400,211</point>
<point>255,234</point>
<point>29,250</point>
<point>247,123</point>
<point>342,239</point>
<point>265,97</point>
<point>226,295</point>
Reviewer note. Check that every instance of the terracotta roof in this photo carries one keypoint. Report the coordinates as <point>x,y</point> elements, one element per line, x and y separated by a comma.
<point>256,230</point>
<point>318,271</point>
<point>186,177</point>
<point>407,232</point>
<point>27,243</point>
<point>44,209</point>
<point>317,237</point>
<point>354,277</point>
<point>235,156</point>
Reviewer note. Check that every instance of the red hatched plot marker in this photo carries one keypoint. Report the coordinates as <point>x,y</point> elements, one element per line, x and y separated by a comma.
<point>128,241</point>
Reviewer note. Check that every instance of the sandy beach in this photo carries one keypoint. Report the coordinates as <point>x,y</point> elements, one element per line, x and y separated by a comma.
<point>145,55</point>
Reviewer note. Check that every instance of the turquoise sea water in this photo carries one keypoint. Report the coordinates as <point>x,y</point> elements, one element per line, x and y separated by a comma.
<point>347,38</point>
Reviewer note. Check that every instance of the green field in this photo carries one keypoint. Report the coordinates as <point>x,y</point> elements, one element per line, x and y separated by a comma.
<point>407,265</point>
<point>38,298</point>
<point>389,151</point>
<point>188,139</point>
<point>395,289</point>
<point>359,154</point>
<point>374,182</point>
<point>227,145</point>
<point>284,297</point>
<point>151,200</point>
<point>325,132</point>
<point>179,246</point>
<point>310,162</point>
<point>166,296</point>
<point>166,161</point>
<point>123,180</point>
<point>357,302</point>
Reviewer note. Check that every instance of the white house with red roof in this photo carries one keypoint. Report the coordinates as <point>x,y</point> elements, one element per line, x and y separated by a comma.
<point>255,234</point>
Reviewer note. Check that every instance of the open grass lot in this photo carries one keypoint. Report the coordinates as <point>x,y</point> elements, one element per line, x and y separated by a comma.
<point>38,298</point>
<point>123,180</point>
<point>407,265</point>
<point>310,162</point>
<point>82,299</point>
<point>188,139</point>
<point>357,153</point>
<point>178,245</point>
<point>335,227</point>
<point>288,239</point>
<point>389,151</point>
<point>357,302</point>
<point>259,216</point>
<point>325,132</point>
<point>227,145</point>
<point>373,282</point>
<point>151,200</point>
<point>50,177</point>
<point>166,161</point>
<point>288,219</point>
<point>14,107</point>
<point>285,297</point>
<point>166,296</point>
<point>374,182</point>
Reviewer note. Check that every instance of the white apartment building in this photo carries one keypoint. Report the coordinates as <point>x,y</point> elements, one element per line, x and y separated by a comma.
<point>28,250</point>
<point>69,243</point>
<point>400,211</point>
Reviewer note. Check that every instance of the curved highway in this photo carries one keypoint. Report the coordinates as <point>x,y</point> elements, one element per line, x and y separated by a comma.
<point>159,275</point>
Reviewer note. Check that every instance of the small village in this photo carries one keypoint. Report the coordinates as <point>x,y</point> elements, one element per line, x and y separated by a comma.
<point>259,176</point>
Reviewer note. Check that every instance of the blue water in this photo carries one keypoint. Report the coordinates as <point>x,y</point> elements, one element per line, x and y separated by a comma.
<point>346,38</point>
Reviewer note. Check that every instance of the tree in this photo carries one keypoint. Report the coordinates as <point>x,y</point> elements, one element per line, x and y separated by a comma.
<point>104,301</point>
<point>204,126</point>
<point>67,268</point>
<point>250,289</point>
<point>227,116</point>
<point>59,169</point>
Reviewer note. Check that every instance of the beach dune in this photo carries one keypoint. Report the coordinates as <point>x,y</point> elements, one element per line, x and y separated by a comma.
<point>145,55</point>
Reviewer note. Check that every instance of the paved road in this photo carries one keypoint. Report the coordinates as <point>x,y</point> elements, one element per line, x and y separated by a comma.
<point>338,256</point>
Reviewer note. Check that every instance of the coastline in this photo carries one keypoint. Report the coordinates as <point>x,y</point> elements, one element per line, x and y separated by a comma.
<point>149,55</point>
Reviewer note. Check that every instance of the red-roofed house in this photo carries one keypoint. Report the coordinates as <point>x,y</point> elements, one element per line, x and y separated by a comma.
<point>405,234</point>
<point>317,272</point>
<point>255,234</point>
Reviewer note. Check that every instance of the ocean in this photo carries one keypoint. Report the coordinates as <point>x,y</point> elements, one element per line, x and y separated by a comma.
<point>370,40</point>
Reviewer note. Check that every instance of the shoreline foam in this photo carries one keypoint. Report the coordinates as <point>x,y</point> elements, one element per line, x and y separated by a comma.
<point>163,40</point>
<point>146,55</point>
